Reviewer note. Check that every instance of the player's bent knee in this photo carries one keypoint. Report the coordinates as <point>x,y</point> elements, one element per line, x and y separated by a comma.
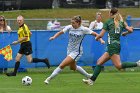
<point>17,59</point>
<point>72,68</point>
<point>30,60</point>
<point>118,67</point>
<point>62,67</point>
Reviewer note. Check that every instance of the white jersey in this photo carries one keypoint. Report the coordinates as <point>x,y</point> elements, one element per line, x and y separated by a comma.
<point>76,37</point>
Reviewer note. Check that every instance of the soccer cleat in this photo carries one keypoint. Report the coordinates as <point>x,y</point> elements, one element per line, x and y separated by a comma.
<point>88,81</point>
<point>47,62</point>
<point>47,81</point>
<point>11,74</point>
<point>138,63</point>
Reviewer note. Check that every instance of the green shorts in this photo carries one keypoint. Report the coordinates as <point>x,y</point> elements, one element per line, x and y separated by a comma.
<point>113,49</point>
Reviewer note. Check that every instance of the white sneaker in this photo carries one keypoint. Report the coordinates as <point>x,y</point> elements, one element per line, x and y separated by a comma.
<point>47,81</point>
<point>138,63</point>
<point>88,81</point>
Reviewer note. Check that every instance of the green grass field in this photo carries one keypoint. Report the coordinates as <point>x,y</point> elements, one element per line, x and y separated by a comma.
<point>71,82</point>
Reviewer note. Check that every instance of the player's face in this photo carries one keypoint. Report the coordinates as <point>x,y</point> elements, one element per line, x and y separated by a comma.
<point>20,21</point>
<point>74,24</point>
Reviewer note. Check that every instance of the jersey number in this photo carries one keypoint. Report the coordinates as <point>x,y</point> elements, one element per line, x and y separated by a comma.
<point>117,30</point>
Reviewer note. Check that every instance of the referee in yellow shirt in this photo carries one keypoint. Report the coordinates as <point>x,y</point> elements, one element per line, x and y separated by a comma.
<point>25,46</point>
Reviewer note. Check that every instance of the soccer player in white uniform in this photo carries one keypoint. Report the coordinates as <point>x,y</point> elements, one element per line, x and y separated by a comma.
<point>74,49</point>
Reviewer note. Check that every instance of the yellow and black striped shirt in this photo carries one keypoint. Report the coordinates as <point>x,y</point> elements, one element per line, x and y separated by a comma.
<point>24,31</point>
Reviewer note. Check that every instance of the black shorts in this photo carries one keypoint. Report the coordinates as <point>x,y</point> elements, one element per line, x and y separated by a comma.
<point>25,48</point>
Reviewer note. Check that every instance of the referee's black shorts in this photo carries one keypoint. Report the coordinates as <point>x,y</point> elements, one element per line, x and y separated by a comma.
<point>25,48</point>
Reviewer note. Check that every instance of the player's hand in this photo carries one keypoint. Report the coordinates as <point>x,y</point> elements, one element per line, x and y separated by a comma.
<point>97,37</point>
<point>131,27</point>
<point>15,42</point>
<point>51,38</point>
<point>124,34</point>
<point>102,42</point>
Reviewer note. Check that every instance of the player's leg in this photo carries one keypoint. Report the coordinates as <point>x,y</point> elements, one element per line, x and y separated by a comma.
<point>17,64</point>
<point>76,56</point>
<point>36,60</point>
<point>104,58</point>
<point>117,62</point>
<point>64,63</point>
<point>74,67</point>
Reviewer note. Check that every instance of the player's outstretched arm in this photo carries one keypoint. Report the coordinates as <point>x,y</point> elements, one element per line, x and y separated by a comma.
<point>129,29</point>
<point>100,35</point>
<point>56,35</point>
<point>100,39</point>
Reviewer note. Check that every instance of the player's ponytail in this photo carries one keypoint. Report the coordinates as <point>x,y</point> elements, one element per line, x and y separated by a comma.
<point>117,19</point>
<point>117,16</point>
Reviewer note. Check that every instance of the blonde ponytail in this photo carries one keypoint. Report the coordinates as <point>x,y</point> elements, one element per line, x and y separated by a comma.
<point>117,19</point>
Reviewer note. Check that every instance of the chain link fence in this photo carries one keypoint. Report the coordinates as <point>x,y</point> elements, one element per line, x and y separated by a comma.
<point>41,23</point>
<point>38,24</point>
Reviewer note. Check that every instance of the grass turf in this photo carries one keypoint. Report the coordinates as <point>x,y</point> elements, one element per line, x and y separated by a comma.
<point>69,82</point>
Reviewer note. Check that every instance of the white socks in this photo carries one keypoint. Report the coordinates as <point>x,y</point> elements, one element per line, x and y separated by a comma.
<point>55,72</point>
<point>82,71</point>
<point>78,68</point>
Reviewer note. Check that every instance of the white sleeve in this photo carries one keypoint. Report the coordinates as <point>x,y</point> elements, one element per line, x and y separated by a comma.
<point>67,28</point>
<point>91,25</point>
<point>87,30</point>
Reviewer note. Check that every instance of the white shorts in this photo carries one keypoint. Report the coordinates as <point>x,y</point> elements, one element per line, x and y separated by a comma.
<point>75,55</point>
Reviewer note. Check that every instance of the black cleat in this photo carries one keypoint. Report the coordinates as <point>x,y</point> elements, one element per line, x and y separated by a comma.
<point>11,74</point>
<point>47,62</point>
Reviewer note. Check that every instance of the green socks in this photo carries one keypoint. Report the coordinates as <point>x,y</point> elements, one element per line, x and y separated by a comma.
<point>97,71</point>
<point>128,64</point>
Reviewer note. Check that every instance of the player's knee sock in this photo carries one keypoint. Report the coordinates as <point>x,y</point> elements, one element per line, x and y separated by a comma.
<point>55,72</point>
<point>82,71</point>
<point>46,61</point>
<point>97,71</point>
<point>17,64</point>
<point>36,60</point>
<point>128,64</point>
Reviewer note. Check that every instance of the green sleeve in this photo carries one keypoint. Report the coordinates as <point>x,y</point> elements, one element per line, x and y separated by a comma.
<point>105,26</point>
<point>123,25</point>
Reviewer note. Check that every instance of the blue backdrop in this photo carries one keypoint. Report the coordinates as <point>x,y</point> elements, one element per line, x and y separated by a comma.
<point>56,50</point>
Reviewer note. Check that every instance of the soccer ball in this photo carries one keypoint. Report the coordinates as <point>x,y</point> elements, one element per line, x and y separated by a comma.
<point>26,80</point>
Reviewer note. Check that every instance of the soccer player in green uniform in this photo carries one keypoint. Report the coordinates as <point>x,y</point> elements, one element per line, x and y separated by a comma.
<point>114,26</point>
<point>24,35</point>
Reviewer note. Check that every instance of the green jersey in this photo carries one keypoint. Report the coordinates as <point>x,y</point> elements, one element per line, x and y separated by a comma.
<point>113,32</point>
